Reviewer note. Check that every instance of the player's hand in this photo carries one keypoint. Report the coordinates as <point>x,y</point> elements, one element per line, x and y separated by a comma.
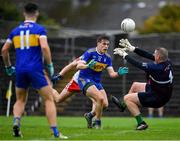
<point>120,52</point>
<point>50,68</point>
<point>122,70</point>
<point>56,78</point>
<point>126,44</point>
<point>91,64</point>
<point>10,70</point>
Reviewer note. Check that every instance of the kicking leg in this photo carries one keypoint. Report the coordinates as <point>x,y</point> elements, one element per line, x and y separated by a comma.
<point>62,96</point>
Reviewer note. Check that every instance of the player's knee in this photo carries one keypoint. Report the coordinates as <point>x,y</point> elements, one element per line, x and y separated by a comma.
<point>48,98</point>
<point>134,86</point>
<point>126,98</point>
<point>105,105</point>
<point>100,100</point>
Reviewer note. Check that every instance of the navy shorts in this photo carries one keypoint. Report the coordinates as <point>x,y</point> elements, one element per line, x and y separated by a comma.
<point>35,78</point>
<point>85,83</point>
<point>152,99</point>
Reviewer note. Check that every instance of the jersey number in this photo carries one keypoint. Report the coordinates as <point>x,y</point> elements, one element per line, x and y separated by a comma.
<point>24,39</point>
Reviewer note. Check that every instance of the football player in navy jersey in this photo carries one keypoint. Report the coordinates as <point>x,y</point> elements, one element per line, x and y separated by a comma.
<point>31,46</point>
<point>89,79</point>
<point>158,89</point>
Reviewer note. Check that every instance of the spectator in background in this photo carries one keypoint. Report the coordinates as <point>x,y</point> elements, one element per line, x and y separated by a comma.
<point>151,112</point>
<point>31,46</point>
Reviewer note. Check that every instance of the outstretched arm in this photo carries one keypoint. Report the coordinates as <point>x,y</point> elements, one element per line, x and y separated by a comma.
<point>140,65</point>
<point>130,60</point>
<point>144,53</point>
<point>112,73</point>
<point>121,71</point>
<point>126,45</point>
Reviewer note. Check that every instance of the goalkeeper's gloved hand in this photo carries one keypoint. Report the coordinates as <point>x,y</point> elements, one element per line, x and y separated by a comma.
<point>91,64</point>
<point>122,70</point>
<point>10,70</point>
<point>120,52</point>
<point>50,68</point>
<point>126,44</point>
<point>56,78</point>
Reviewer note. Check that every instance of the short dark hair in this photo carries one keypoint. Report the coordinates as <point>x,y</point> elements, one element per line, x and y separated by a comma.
<point>163,53</point>
<point>31,8</point>
<point>102,37</point>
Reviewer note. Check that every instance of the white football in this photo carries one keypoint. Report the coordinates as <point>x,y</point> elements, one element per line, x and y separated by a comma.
<point>128,25</point>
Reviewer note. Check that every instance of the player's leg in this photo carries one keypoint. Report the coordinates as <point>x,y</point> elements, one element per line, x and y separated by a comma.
<point>137,87</point>
<point>93,107</point>
<point>89,116</point>
<point>92,113</point>
<point>71,88</point>
<point>150,112</point>
<point>105,99</point>
<point>95,94</point>
<point>50,109</point>
<point>22,83</point>
<point>97,123</point>
<point>55,92</point>
<point>18,109</point>
<point>160,112</point>
<point>132,102</point>
<point>88,87</point>
<point>39,82</point>
<point>63,95</point>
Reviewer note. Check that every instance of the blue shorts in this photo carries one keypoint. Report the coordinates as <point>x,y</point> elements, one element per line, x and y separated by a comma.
<point>85,83</point>
<point>35,78</point>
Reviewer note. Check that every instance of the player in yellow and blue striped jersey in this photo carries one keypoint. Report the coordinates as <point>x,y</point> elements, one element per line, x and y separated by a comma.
<point>32,49</point>
<point>89,79</point>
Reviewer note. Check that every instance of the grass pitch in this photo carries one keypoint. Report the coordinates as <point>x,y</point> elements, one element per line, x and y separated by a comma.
<point>36,128</point>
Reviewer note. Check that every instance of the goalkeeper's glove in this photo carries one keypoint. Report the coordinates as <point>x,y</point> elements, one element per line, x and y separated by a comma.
<point>126,44</point>
<point>56,78</point>
<point>122,70</point>
<point>91,64</point>
<point>10,70</point>
<point>120,52</point>
<point>50,68</point>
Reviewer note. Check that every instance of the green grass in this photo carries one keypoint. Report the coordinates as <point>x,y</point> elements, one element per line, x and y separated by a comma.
<point>36,128</point>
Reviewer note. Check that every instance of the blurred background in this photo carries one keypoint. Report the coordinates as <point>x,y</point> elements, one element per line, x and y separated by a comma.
<point>73,26</point>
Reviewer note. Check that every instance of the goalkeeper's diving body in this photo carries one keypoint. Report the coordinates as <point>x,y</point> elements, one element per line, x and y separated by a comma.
<point>158,89</point>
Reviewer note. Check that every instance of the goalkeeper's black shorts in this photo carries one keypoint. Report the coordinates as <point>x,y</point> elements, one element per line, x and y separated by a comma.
<point>152,99</point>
